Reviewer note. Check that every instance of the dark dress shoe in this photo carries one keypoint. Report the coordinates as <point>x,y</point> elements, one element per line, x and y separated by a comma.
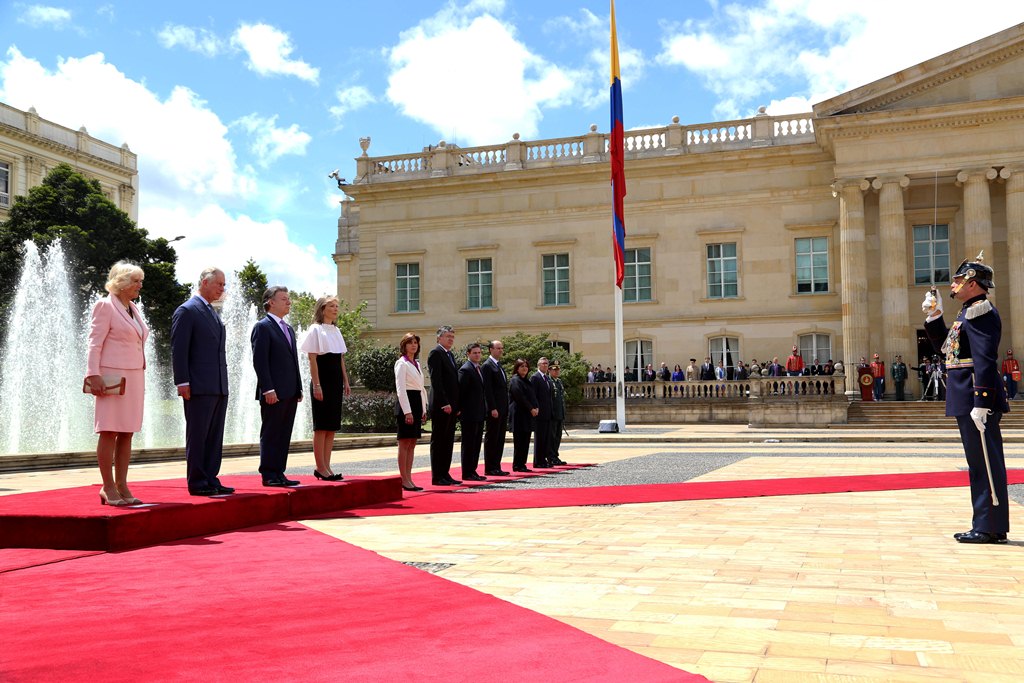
<point>521,469</point>
<point>224,490</point>
<point>473,476</point>
<point>454,482</point>
<point>497,473</point>
<point>411,488</point>
<point>980,537</point>
<point>285,481</point>
<point>204,491</point>
<point>273,481</point>
<point>557,461</point>
<point>440,482</point>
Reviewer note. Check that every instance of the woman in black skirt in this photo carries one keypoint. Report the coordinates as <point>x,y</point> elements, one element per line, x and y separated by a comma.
<point>522,409</point>
<point>326,348</point>
<point>411,410</point>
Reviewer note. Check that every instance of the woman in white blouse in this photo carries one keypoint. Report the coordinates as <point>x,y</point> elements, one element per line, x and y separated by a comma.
<point>411,410</point>
<point>326,348</point>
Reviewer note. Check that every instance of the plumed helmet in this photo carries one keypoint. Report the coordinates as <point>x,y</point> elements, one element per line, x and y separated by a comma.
<point>976,270</point>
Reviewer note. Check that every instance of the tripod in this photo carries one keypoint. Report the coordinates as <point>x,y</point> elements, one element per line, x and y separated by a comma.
<point>935,380</point>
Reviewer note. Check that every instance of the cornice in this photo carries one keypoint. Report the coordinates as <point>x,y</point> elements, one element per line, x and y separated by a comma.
<point>62,150</point>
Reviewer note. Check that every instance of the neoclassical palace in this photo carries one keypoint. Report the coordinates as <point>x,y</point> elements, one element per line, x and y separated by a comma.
<point>30,146</point>
<point>743,238</point>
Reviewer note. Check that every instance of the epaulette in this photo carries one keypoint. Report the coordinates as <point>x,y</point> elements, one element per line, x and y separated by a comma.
<point>978,308</point>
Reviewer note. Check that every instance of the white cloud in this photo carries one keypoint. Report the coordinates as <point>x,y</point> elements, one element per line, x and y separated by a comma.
<point>785,50</point>
<point>465,73</point>
<point>351,99</point>
<point>186,178</point>
<point>269,51</point>
<point>201,40</point>
<point>269,143</point>
<point>44,15</point>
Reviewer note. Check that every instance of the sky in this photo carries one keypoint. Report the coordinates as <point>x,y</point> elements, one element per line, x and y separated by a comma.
<point>238,111</point>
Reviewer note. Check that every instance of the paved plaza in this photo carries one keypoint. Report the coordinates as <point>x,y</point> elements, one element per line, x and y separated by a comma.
<point>830,587</point>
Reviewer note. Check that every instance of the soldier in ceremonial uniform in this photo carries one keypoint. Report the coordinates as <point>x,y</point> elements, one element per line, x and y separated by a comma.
<point>974,392</point>
<point>557,413</point>
<point>899,376</point>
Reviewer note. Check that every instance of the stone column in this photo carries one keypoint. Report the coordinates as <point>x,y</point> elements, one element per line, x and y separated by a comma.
<point>1013,281</point>
<point>893,231</point>
<point>977,214</point>
<point>853,268</point>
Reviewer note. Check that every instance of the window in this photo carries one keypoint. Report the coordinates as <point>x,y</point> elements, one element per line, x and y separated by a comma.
<point>479,277</point>
<point>5,185</point>
<point>407,287</point>
<point>639,352</point>
<point>722,280</point>
<point>636,286</point>
<point>560,345</point>
<point>815,346</point>
<point>724,349</point>
<point>811,265</point>
<point>556,279</point>
<point>931,254</point>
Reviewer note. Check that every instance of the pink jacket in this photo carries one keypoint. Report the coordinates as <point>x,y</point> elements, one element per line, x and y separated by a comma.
<point>114,339</point>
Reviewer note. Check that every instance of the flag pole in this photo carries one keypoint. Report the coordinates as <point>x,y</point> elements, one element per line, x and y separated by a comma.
<point>616,148</point>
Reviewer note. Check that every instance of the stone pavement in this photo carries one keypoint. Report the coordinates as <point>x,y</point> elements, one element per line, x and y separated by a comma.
<point>833,587</point>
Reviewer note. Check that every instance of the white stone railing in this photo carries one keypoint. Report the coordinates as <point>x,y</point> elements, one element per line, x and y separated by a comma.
<point>446,160</point>
<point>30,122</point>
<point>764,388</point>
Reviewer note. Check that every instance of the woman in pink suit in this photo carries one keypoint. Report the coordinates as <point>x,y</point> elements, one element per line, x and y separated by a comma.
<point>117,338</point>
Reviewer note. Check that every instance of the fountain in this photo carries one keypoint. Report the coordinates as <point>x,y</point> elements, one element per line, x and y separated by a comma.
<point>41,397</point>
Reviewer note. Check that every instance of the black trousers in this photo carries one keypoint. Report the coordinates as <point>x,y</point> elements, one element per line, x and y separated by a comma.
<point>899,391</point>
<point>494,442</point>
<point>541,442</point>
<point>987,517</point>
<point>520,447</point>
<point>204,439</point>
<point>442,442</point>
<point>469,452</point>
<point>276,435</point>
<point>556,439</point>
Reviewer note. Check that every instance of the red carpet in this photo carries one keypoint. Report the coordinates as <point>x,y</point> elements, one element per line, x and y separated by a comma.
<point>283,603</point>
<point>74,519</point>
<point>449,500</point>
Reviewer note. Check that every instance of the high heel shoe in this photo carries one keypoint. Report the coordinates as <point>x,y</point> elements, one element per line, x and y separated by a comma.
<point>325,477</point>
<point>335,477</point>
<point>411,488</point>
<point>117,503</point>
<point>127,497</point>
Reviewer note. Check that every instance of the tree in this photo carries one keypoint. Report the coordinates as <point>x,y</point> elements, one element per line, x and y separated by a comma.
<point>375,367</point>
<point>253,282</point>
<point>95,234</point>
<point>353,325</point>
<point>303,305</point>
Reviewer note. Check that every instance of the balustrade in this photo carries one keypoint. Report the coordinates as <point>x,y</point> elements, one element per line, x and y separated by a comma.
<point>445,160</point>
<point>766,388</point>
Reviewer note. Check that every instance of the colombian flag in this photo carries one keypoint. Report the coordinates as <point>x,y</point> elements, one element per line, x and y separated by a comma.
<point>616,150</point>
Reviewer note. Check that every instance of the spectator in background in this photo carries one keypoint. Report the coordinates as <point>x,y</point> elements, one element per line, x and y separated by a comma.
<point>795,363</point>
<point>755,368</point>
<point>720,370</point>
<point>649,374</point>
<point>677,374</point>
<point>741,372</point>
<point>878,372</point>
<point>691,371</point>
<point>774,369</point>
<point>707,370</point>
<point>663,373</point>
<point>1011,374</point>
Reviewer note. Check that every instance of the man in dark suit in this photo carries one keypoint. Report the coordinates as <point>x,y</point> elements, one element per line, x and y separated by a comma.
<point>496,391</point>
<point>444,406</point>
<point>200,367</point>
<point>542,387</point>
<point>707,370</point>
<point>473,403</point>
<point>278,384</point>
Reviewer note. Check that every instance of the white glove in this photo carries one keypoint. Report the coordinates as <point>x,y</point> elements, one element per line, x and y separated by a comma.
<point>932,306</point>
<point>980,417</point>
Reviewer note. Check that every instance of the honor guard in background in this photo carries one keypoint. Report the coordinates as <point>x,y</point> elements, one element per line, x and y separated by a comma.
<point>899,376</point>
<point>974,393</point>
<point>878,372</point>
<point>557,413</point>
<point>1011,374</point>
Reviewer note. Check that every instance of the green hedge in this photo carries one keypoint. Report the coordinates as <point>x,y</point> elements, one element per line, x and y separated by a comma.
<point>370,412</point>
<point>375,367</point>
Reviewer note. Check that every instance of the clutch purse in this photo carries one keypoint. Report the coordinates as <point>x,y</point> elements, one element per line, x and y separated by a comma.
<point>113,385</point>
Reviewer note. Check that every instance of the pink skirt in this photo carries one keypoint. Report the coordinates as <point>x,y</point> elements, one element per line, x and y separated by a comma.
<point>122,413</point>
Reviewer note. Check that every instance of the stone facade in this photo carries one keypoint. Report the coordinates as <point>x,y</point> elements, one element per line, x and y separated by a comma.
<point>31,146</point>
<point>834,222</point>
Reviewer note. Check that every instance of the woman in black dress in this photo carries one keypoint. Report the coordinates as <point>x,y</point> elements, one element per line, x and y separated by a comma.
<point>411,408</point>
<point>326,348</point>
<point>522,409</point>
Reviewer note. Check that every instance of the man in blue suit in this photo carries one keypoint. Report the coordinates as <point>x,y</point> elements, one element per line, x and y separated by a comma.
<point>278,384</point>
<point>201,375</point>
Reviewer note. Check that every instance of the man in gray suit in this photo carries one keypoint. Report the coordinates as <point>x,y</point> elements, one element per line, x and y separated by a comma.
<point>201,374</point>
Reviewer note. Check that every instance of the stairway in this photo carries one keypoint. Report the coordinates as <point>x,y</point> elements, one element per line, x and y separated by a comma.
<point>915,415</point>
